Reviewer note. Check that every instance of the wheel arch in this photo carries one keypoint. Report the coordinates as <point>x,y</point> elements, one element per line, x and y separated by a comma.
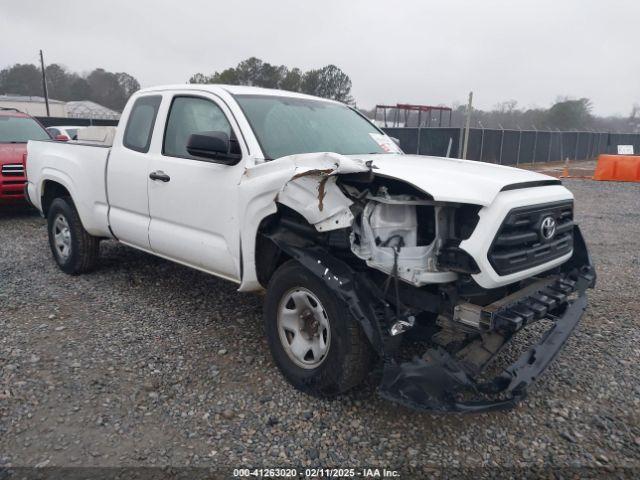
<point>52,189</point>
<point>269,255</point>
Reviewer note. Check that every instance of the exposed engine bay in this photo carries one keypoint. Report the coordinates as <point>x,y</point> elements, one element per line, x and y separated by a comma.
<point>389,238</point>
<point>394,227</point>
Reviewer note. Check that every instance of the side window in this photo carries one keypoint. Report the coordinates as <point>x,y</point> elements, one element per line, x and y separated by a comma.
<point>54,131</point>
<point>142,118</point>
<point>190,115</point>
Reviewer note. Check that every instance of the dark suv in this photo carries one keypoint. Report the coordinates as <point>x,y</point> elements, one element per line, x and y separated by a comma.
<point>16,129</point>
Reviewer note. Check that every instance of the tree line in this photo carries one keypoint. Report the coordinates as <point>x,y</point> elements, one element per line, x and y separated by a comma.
<point>109,89</point>
<point>564,114</point>
<point>113,89</point>
<point>327,82</point>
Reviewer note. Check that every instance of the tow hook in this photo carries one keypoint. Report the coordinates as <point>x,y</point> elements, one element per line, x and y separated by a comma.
<point>402,326</point>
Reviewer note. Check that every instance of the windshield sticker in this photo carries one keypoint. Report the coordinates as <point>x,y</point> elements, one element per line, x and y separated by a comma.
<point>385,143</point>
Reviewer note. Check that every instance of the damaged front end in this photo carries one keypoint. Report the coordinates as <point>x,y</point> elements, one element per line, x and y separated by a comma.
<point>391,253</point>
<point>446,381</point>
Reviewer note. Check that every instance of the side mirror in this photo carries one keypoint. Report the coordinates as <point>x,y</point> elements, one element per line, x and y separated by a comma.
<point>216,146</point>
<point>61,138</point>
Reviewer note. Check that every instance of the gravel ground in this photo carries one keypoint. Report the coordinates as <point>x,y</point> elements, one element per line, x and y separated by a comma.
<point>145,362</point>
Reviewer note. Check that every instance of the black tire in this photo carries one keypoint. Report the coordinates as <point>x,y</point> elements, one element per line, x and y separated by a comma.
<point>84,248</point>
<point>349,357</point>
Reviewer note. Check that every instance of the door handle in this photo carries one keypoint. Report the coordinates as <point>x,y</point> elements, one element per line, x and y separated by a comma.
<point>159,175</point>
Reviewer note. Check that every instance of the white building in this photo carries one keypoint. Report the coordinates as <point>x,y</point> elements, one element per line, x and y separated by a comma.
<point>89,109</point>
<point>36,106</point>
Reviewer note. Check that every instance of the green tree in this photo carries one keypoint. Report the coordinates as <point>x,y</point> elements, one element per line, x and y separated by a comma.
<point>21,79</point>
<point>200,78</point>
<point>80,89</point>
<point>227,77</point>
<point>328,82</point>
<point>128,84</point>
<point>249,71</point>
<point>271,76</point>
<point>570,114</point>
<point>310,83</point>
<point>58,82</point>
<point>335,84</point>
<point>105,89</point>
<point>292,80</point>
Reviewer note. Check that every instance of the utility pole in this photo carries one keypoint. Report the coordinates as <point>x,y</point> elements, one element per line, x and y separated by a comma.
<point>44,84</point>
<point>467,125</point>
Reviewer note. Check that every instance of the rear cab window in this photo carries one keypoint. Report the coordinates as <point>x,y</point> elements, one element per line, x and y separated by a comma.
<point>142,118</point>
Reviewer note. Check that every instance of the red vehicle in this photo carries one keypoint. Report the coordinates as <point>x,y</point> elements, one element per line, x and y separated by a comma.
<point>16,128</point>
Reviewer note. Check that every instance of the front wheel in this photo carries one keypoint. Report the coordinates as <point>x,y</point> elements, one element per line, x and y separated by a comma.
<point>74,249</point>
<point>314,340</point>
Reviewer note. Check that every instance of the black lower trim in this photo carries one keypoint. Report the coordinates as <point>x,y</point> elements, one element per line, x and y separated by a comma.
<point>537,183</point>
<point>436,381</point>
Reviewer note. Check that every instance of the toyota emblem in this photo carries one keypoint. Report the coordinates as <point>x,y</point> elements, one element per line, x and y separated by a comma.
<point>548,228</point>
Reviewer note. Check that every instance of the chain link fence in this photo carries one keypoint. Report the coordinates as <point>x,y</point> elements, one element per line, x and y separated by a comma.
<point>511,147</point>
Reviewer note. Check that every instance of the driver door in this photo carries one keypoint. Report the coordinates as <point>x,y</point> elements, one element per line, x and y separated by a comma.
<point>193,203</point>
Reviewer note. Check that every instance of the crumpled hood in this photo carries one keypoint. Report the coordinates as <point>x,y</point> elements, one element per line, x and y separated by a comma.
<point>451,179</point>
<point>12,152</point>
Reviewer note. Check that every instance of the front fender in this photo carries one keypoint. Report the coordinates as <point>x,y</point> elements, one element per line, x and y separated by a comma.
<point>305,183</point>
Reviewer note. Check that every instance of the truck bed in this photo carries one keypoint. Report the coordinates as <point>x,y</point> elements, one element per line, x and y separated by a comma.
<point>80,168</point>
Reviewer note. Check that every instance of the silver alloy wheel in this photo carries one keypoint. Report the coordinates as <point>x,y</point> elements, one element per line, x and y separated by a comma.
<point>62,237</point>
<point>303,328</point>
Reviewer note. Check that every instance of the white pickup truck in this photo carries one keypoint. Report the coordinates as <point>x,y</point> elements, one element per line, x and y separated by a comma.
<point>357,245</point>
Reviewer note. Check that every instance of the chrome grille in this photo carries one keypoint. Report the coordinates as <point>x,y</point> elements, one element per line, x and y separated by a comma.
<point>13,170</point>
<point>520,243</point>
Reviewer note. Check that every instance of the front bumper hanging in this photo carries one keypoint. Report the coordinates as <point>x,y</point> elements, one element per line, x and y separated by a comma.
<point>440,382</point>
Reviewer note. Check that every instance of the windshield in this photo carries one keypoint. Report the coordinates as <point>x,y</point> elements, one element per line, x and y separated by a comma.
<point>21,130</point>
<point>287,126</point>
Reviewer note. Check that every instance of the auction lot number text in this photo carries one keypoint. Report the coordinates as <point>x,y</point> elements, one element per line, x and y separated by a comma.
<point>316,473</point>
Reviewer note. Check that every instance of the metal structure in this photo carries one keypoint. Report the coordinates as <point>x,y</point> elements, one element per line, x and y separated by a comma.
<point>92,110</point>
<point>403,113</point>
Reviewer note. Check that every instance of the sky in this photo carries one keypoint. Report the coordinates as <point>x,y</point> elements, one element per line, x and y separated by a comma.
<point>406,51</point>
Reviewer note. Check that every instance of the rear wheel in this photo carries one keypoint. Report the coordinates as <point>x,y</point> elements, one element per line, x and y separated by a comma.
<point>74,249</point>
<point>314,341</point>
